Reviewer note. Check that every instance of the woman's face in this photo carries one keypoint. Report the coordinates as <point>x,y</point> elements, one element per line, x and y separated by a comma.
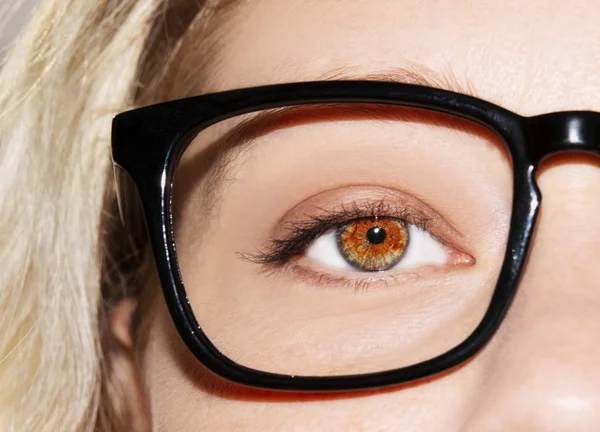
<point>540,371</point>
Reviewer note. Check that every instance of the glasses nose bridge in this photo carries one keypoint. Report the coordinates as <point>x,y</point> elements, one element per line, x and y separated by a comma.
<point>565,131</point>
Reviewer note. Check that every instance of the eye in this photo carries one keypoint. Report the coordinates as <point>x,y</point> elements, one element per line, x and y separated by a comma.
<point>354,236</point>
<point>376,244</point>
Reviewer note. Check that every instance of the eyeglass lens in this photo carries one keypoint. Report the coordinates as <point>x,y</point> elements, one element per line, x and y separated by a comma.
<point>340,239</point>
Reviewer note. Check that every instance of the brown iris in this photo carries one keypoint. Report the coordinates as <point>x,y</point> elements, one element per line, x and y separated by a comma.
<point>373,244</point>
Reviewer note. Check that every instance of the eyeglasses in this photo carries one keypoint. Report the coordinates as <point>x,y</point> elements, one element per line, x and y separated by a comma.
<point>317,310</point>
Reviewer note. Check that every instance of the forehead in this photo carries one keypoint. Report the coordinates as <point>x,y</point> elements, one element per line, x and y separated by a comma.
<point>528,55</point>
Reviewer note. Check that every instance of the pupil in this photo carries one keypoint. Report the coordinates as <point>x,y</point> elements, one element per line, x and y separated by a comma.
<point>376,235</point>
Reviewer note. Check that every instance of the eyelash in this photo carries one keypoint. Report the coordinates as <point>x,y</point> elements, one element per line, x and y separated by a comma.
<point>303,233</point>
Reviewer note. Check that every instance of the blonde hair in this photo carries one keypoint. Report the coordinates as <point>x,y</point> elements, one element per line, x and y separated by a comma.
<point>77,64</point>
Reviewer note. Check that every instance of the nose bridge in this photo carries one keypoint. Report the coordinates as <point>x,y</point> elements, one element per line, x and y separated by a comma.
<point>543,370</point>
<point>542,374</point>
<point>564,132</point>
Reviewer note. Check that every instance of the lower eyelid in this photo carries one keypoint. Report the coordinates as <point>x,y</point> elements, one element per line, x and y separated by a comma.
<point>359,281</point>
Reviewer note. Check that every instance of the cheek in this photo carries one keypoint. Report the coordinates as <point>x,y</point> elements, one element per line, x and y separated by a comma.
<point>186,397</point>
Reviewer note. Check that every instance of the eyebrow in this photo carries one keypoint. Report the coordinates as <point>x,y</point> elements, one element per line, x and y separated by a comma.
<point>409,73</point>
<point>406,73</point>
<point>256,123</point>
<point>220,155</point>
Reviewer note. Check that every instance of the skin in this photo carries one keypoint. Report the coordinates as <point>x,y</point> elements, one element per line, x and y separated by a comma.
<point>540,371</point>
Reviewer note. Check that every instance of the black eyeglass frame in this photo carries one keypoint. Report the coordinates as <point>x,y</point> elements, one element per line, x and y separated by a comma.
<point>148,142</point>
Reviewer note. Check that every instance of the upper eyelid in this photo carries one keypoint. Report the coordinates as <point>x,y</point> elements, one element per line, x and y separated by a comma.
<point>285,247</point>
<point>385,208</point>
<point>242,135</point>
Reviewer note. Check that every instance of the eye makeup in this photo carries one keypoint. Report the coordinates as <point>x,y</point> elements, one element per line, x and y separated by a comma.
<point>350,253</point>
<point>301,233</point>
